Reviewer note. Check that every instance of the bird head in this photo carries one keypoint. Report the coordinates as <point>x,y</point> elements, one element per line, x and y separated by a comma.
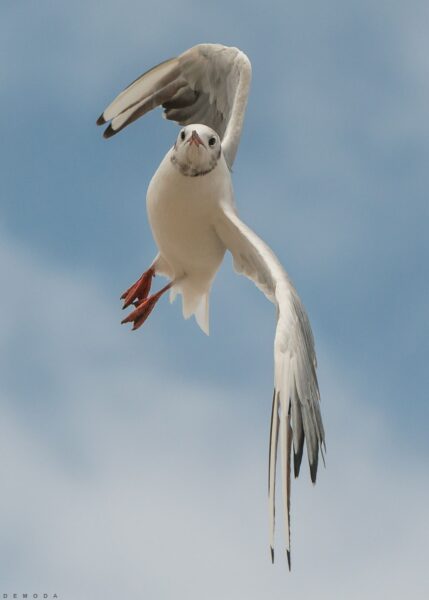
<point>197,150</point>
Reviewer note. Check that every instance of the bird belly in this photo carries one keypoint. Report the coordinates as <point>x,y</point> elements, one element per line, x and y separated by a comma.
<point>181,211</point>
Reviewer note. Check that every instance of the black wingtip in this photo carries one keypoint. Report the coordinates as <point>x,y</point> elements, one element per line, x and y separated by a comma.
<point>109,132</point>
<point>313,472</point>
<point>272,555</point>
<point>297,458</point>
<point>288,558</point>
<point>101,120</point>
<point>295,466</point>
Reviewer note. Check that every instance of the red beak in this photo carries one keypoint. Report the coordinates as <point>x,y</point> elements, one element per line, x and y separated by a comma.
<point>195,139</point>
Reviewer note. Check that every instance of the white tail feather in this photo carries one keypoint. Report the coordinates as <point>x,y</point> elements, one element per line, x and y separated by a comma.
<point>202,314</point>
<point>195,303</point>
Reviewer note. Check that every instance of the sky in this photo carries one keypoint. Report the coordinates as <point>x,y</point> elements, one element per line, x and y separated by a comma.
<point>135,464</point>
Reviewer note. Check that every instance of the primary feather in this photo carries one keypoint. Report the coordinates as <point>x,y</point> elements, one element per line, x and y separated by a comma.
<point>207,84</point>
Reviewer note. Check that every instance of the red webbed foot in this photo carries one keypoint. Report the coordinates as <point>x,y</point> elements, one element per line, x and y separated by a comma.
<point>139,290</point>
<point>144,308</point>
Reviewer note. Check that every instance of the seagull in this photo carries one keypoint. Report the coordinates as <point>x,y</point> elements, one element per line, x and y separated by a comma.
<point>194,221</point>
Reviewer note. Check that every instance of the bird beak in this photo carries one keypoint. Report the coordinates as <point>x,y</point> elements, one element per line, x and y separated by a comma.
<point>195,139</point>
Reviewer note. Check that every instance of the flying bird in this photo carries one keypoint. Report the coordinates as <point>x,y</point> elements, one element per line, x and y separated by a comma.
<point>194,220</point>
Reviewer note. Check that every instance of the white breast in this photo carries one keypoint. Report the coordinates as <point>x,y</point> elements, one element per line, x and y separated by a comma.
<point>181,211</point>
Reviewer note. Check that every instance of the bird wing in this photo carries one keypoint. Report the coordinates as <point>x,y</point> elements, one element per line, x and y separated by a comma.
<point>296,411</point>
<point>207,84</point>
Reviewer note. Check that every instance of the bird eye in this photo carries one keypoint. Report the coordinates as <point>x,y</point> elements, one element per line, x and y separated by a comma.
<point>212,141</point>
<point>182,135</point>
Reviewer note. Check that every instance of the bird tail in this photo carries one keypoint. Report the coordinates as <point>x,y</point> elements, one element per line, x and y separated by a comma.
<point>195,302</point>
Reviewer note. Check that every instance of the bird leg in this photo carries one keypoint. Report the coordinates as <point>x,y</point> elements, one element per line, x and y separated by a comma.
<point>139,290</point>
<point>145,307</point>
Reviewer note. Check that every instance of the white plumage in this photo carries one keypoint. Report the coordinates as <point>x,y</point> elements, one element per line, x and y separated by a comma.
<point>194,221</point>
<point>182,211</point>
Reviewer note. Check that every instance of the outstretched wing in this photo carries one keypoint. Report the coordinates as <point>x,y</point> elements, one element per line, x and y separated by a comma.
<point>207,84</point>
<point>296,411</point>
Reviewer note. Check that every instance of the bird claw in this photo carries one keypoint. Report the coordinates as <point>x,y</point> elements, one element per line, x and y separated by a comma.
<point>141,313</point>
<point>139,291</point>
<point>144,307</point>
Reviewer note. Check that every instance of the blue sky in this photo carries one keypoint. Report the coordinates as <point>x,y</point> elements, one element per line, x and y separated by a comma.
<point>135,464</point>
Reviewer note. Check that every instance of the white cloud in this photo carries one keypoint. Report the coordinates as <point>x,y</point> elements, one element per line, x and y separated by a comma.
<point>123,481</point>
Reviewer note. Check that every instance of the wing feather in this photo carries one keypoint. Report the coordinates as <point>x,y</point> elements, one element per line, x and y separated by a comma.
<point>297,430</point>
<point>207,84</point>
<point>272,460</point>
<point>139,109</point>
<point>296,410</point>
